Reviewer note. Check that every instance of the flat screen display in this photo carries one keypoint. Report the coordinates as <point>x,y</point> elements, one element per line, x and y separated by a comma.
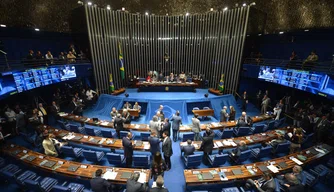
<point>7,85</point>
<point>314,82</point>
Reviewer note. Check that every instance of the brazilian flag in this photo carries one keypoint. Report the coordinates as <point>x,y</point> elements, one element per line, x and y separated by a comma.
<point>121,63</point>
<point>111,84</point>
<point>221,84</point>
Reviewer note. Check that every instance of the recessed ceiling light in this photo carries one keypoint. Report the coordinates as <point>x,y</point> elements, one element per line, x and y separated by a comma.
<point>89,3</point>
<point>36,29</point>
<point>225,9</point>
<point>2,25</point>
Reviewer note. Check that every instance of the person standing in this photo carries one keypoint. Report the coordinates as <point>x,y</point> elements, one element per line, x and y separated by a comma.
<point>158,166</point>
<point>265,104</point>
<point>196,127</point>
<point>128,149</point>
<point>154,125</point>
<point>100,184</point>
<point>177,121</point>
<point>44,113</point>
<point>162,115</point>
<point>154,143</point>
<point>278,109</point>
<point>207,145</point>
<point>49,146</point>
<point>232,114</point>
<point>244,101</point>
<point>165,126</point>
<point>258,99</point>
<point>223,114</point>
<point>113,113</point>
<point>167,150</point>
<point>118,125</point>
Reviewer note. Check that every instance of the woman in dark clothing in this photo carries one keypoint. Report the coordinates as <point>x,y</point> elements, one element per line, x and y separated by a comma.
<point>158,166</point>
<point>232,114</point>
<point>296,140</point>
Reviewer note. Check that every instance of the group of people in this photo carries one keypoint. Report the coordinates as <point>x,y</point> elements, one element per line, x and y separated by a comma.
<point>159,77</point>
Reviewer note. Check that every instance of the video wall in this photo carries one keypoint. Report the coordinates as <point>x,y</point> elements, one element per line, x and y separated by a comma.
<point>314,82</point>
<point>20,81</point>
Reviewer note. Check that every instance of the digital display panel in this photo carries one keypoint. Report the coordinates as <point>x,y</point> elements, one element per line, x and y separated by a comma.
<point>7,85</point>
<point>314,82</point>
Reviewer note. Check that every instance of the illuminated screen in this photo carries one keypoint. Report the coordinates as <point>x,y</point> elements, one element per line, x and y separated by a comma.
<point>7,85</point>
<point>314,82</point>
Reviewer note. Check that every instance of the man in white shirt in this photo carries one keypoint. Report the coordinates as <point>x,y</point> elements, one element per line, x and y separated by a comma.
<point>90,94</point>
<point>43,113</point>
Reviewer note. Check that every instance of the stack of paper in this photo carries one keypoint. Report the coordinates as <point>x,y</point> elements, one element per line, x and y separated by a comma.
<point>319,150</point>
<point>215,145</point>
<point>233,144</point>
<point>273,168</point>
<point>226,142</point>
<point>196,146</point>
<point>68,137</point>
<point>215,124</point>
<point>87,119</point>
<point>109,175</point>
<point>183,144</point>
<point>142,178</point>
<point>219,143</point>
<point>297,161</point>
<point>105,123</point>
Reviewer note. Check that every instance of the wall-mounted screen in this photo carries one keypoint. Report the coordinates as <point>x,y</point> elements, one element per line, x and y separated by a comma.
<point>7,85</point>
<point>314,82</point>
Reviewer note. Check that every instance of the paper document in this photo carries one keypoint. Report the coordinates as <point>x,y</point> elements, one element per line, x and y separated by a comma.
<point>219,144</point>
<point>273,168</point>
<point>142,178</point>
<point>319,150</point>
<point>137,126</point>
<point>183,144</point>
<point>215,124</point>
<point>105,123</point>
<point>233,144</point>
<point>225,142</point>
<point>196,146</point>
<point>109,175</point>
<point>146,146</point>
<point>297,161</point>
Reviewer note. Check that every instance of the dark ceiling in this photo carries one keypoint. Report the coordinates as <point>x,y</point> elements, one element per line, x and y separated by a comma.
<point>282,15</point>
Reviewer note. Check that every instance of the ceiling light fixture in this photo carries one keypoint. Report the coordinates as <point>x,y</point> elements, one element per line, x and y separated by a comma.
<point>187,14</point>
<point>2,25</point>
<point>36,29</point>
<point>123,8</point>
<point>146,13</point>
<point>211,9</point>
<point>89,3</point>
<point>244,5</point>
<point>281,32</point>
<point>225,9</point>
<point>108,7</point>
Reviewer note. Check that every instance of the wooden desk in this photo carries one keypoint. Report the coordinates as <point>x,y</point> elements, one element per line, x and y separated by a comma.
<point>133,112</point>
<point>192,179</point>
<point>94,140</point>
<point>215,91</point>
<point>204,112</point>
<point>164,86</point>
<point>250,140</point>
<point>223,125</point>
<point>104,124</point>
<point>118,91</point>
<point>82,173</point>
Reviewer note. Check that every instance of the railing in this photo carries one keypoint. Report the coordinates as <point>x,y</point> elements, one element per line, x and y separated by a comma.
<point>26,64</point>
<point>326,67</point>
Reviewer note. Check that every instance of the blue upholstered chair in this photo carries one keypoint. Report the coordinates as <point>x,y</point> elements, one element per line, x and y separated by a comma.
<point>280,122</point>
<point>196,108</point>
<point>259,153</point>
<point>69,151</point>
<point>24,176</point>
<point>308,138</point>
<point>108,133</point>
<point>63,125</point>
<point>124,134</point>
<point>241,131</point>
<point>141,161</point>
<point>278,186</point>
<point>45,185</point>
<point>218,160</point>
<point>310,179</point>
<point>230,189</point>
<point>76,129</point>
<point>258,129</point>
<point>9,171</point>
<point>192,161</point>
<point>94,156</point>
<point>227,133</point>
<point>93,132</point>
<point>71,187</point>
<point>282,148</point>
<point>144,136</point>
<point>321,171</point>
<point>115,159</point>
<point>187,136</point>
<point>244,156</point>
<point>270,126</point>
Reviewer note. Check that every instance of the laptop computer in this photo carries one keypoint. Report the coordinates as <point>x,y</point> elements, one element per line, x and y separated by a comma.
<point>77,138</point>
<point>62,134</point>
<point>73,168</point>
<point>31,158</point>
<point>207,176</point>
<point>126,175</point>
<point>263,168</point>
<point>283,165</point>
<point>139,143</point>
<point>49,164</point>
<point>237,172</point>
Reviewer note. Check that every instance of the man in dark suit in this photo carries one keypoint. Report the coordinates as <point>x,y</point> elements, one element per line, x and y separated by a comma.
<point>291,183</point>
<point>244,101</point>
<point>166,126</point>
<point>99,184</point>
<point>244,120</point>
<point>118,125</point>
<point>154,143</point>
<point>128,149</point>
<point>207,145</point>
<point>322,129</point>
<point>188,149</point>
<point>127,117</point>
<point>132,184</point>
<point>307,123</point>
<point>223,114</point>
<point>159,185</point>
<point>280,139</point>
<point>264,184</point>
<point>235,153</point>
<point>177,121</point>
<point>167,149</point>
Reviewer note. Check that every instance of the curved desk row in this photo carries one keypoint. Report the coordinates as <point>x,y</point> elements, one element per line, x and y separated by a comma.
<point>94,140</point>
<point>71,168</point>
<point>164,86</point>
<point>145,127</point>
<point>249,171</point>
<point>250,140</point>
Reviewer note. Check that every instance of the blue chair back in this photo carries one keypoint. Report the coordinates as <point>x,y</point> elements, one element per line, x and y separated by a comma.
<point>114,159</point>
<point>282,147</point>
<point>278,186</point>
<point>195,108</point>
<point>258,129</point>
<point>308,138</point>
<point>281,122</point>
<point>32,185</point>
<point>107,133</point>
<point>244,156</point>
<point>123,134</point>
<point>70,152</point>
<point>90,155</point>
<point>187,136</point>
<point>310,179</point>
<point>264,152</point>
<point>74,128</point>
<point>271,125</point>
<point>194,160</point>
<point>90,131</point>
<point>227,133</point>
<point>62,125</point>
<point>24,176</point>
<point>206,108</point>
<point>219,160</point>
<point>243,131</point>
<point>60,188</point>
<point>141,161</point>
<point>144,136</point>
<point>230,189</point>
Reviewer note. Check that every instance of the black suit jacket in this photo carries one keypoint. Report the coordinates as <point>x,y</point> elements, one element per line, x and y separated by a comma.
<point>99,184</point>
<point>127,146</point>
<point>54,110</point>
<point>268,186</point>
<point>158,190</point>
<point>237,151</point>
<point>188,150</point>
<point>118,123</point>
<point>155,144</point>
<point>167,147</point>
<point>307,125</point>
<point>166,127</point>
<point>207,143</point>
<point>134,186</point>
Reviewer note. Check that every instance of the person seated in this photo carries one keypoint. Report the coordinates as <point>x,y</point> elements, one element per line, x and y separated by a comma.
<point>127,117</point>
<point>280,139</point>
<point>278,109</point>
<point>310,61</point>
<point>291,183</point>
<point>161,77</point>
<point>188,149</point>
<point>49,145</point>
<point>235,153</point>
<point>127,105</point>
<point>158,185</point>
<point>297,171</point>
<point>264,184</point>
<point>71,57</point>
<point>182,77</point>
<point>113,113</point>
<point>100,184</point>
<point>148,78</point>
<point>137,107</point>
<point>244,120</point>
<point>132,184</point>
<point>171,77</point>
